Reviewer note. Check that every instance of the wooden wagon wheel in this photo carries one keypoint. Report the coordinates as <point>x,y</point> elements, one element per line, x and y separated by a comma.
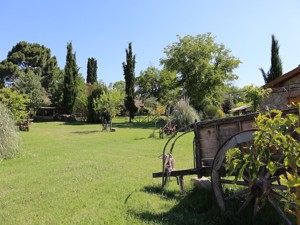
<point>251,191</point>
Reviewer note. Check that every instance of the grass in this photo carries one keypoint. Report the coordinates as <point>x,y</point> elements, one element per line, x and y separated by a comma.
<point>75,174</point>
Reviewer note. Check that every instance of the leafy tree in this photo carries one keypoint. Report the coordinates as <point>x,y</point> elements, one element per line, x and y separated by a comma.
<point>24,56</point>
<point>148,83</point>
<point>30,84</point>
<point>155,109</point>
<point>255,95</point>
<point>15,102</point>
<point>204,67</point>
<point>128,68</point>
<point>8,72</point>
<point>70,78</point>
<point>80,106</point>
<point>227,105</point>
<point>159,84</point>
<point>91,71</point>
<point>276,64</point>
<point>213,112</point>
<point>9,138</point>
<point>119,85</point>
<point>169,93</point>
<point>56,90</point>
<point>111,102</point>
<point>97,89</point>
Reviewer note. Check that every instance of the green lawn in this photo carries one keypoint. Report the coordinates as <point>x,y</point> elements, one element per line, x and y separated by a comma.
<point>75,174</point>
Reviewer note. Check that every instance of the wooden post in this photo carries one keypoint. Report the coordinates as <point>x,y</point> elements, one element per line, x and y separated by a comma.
<point>181,182</point>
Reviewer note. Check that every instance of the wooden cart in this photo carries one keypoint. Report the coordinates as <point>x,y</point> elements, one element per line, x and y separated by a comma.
<point>212,139</point>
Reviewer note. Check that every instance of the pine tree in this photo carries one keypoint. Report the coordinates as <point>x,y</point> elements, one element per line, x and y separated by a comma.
<point>91,71</point>
<point>70,77</point>
<point>129,76</point>
<point>276,64</point>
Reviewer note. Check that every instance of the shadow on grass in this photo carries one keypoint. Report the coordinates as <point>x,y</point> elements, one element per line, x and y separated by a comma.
<point>86,132</point>
<point>164,193</point>
<point>198,206</point>
<point>75,123</point>
<point>125,124</point>
<point>140,125</point>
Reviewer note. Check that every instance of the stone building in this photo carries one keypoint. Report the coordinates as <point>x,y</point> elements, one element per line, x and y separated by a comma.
<point>285,91</point>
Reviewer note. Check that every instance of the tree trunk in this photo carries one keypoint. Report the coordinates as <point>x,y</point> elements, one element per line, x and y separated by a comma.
<point>110,125</point>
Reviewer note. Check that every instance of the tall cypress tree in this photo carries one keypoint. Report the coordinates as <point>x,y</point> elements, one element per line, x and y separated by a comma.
<point>91,71</point>
<point>276,64</point>
<point>70,78</point>
<point>129,76</point>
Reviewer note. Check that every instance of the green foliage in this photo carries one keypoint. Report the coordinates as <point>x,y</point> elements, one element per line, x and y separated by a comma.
<point>80,106</point>
<point>8,72</point>
<point>110,101</point>
<point>91,71</point>
<point>9,138</point>
<point>24,56</point>
<point>227,105</point>
<point>96,91</point>
<point>204,67</point>
<point>70,87</point>
<point>119,85</point>
<point>275,135</point>
<point>16,103</point>
<point>184,113</point>
<point>56,90</point>
<point>276,64</point>
<point>30,84</point>
<point>255,95</point>
<point>129,76</point>
<point>213,112</point>
<point>159,84</point>
<point>154,107</point>
<point>148,83</point>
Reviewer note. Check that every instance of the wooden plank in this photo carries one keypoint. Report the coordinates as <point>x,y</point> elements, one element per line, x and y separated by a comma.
<point>227,130</point>
<point>209,143</point>
<point>248,124</point>
<point>204,171</point>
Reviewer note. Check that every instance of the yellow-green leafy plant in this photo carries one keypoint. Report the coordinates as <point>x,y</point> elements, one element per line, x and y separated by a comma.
<point>278,135</point>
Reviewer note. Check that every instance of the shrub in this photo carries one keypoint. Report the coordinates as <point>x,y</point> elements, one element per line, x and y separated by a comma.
<point>184,113</point>
<point>213,112</point>
<point>9,137</point>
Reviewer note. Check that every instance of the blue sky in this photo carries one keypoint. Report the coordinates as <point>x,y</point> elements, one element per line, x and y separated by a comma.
<point>103,29</point>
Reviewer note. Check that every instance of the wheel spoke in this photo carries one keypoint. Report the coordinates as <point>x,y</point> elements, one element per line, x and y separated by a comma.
<point>256,207</point>
<point>273,179</point>
<point>280,197</point>
<point>262,171</point>
<point>242,183</point>
<point>237,194</point>
<point>280,212</point>
<point>279,187</point>
<point>277,195</point>
<point>245,204</point>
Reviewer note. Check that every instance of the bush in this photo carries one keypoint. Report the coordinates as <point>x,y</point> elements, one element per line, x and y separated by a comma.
<point>9,137</point>
<point>213,112</point>
<point>184,113</point>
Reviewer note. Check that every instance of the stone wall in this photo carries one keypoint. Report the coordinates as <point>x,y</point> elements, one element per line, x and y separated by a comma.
<point>283,97</point>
